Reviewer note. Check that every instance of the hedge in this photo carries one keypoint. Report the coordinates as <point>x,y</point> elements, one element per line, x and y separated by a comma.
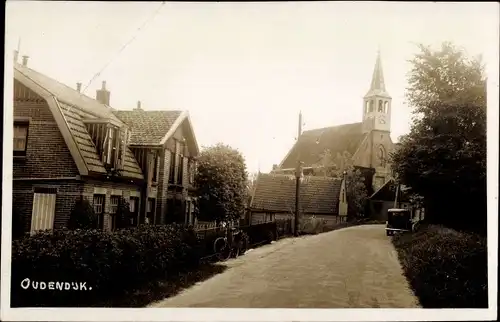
<point>96,264</point>
<point>445,268</point>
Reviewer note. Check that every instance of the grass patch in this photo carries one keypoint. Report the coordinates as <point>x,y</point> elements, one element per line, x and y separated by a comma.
<point>163,288</point>
<point>445,268</point>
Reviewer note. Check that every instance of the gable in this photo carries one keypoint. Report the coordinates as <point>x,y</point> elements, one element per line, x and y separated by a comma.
<point>313,143</point>
<point>69,116</point>
<point>276,193</point>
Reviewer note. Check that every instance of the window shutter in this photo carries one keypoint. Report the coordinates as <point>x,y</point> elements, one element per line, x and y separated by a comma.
<point>105,147</point>
<point>123,148</point>
<point>117,145</point>
<point>44,205</point>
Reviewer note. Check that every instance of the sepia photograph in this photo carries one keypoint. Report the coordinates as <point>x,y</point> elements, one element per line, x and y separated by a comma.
<point>188,161</point>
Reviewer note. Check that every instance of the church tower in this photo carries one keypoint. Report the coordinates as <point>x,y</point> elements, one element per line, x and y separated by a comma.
<point>377,102</point>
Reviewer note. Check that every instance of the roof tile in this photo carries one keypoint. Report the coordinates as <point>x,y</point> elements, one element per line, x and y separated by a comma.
<point>276,193</point>
<point>313,143</point>
<point>148,127</point>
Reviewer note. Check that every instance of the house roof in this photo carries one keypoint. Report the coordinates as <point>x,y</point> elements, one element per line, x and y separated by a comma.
<point>148,127</point>
<point>312,144</point>
<point>70,108</point>
<point>388,192</point>
<point>276,193</point>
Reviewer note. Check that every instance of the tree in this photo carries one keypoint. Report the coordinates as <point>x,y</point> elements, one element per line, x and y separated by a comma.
<point>221,182</point>
<point>82,216</point>
<point>334,166</point>
<point>443,158</point>
<point>250,186</point>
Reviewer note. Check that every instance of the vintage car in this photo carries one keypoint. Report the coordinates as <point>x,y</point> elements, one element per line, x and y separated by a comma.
<point>399,220</point>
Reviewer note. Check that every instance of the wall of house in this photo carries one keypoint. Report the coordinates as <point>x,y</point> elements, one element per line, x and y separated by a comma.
<point>109,189</point>
<point>164,193</point>
<point>47,155</point>
<point>68,192</point>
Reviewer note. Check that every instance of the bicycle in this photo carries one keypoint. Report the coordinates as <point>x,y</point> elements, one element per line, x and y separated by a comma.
<point>236,244</point>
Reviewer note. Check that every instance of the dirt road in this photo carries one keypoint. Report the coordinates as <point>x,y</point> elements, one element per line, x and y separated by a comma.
<point>355,267</point>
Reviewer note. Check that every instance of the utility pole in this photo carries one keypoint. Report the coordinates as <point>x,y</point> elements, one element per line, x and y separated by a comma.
<point>298,175</point>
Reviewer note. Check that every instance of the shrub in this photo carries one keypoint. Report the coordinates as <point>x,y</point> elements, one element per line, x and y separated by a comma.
<point>82,216</point>
<point>446,268</point>
<point>18,225</point>
<point>108,262</point>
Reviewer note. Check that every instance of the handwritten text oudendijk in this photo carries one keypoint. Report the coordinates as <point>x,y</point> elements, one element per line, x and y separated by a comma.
<point>62,286</point>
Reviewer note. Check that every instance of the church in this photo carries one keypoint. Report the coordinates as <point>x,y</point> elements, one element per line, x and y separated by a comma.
<point>367,143</point>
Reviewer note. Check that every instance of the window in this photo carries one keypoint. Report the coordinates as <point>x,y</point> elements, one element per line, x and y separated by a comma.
<point>180,170</point>
<point>381,156</point>
<point>156,166</point>
<point>43,212</point>
<point>114,202</point>
<point>150,211</point>
<point>372,106</point>
<point>109,142</point>
<point>132,204</point>
<point>20,138</point>
<point>171,175</point>
<point>134,210</point>
<point>113,146</point>
<point>99,209</point>
<point>386,107</point>
<point>380,106</point>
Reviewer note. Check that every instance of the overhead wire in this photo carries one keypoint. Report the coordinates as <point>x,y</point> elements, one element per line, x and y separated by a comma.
<point>150,18</point>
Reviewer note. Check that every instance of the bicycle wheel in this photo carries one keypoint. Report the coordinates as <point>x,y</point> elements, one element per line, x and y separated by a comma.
<point>225,252</point>
<point>244,244</point>
<point>218,244</point>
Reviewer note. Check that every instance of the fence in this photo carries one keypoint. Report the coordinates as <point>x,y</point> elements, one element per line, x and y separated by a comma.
<point>259,234</point>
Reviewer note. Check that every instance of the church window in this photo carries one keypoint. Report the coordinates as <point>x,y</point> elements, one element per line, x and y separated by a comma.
<point>372,106</point>
<point>381,156</point>
<point>380,106</point>
<point>386,107</point>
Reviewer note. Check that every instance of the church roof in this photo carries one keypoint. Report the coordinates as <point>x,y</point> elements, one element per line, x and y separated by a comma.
<point>276,193</point>
<point>312,144</point>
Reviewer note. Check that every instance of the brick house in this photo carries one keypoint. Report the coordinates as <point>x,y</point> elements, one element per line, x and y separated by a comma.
<point>274,197</point>
<point>164,142</point>
<point>68,146</point>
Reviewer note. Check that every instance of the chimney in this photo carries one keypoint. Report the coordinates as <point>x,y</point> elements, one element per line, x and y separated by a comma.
<point>138,106</point>
<point>79,87</point>
<point>275,167</point>
<point>102,95</point>
<point>25,60</point>
<point>16,56</point>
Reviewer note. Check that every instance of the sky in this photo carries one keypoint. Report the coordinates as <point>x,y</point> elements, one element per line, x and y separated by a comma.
<point>245,70</point>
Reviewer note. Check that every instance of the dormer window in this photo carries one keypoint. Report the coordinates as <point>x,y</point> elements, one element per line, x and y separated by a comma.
<point>110,142</point>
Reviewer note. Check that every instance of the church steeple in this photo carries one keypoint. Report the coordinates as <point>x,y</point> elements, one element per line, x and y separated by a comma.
<point>377,86</point>
<point>377,102</point>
